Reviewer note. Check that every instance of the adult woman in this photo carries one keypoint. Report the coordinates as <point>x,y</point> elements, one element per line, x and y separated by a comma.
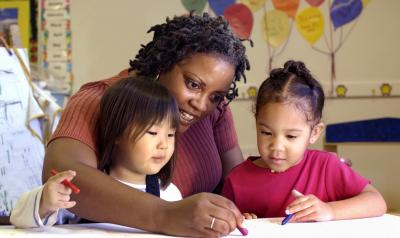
<point>198,59</point>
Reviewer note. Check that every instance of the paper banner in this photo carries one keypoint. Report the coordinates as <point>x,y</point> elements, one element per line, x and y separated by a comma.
<point>345,11</point>
<point>54,15</point>
<point>197,5</point>
<point>254,5</point>
<point>240,19</point>
<point>310,24</point>
<point>275,26</point>
<point>315,3</point>
<point>56,44</point>
<point>55,4</point>
<point>287,6</point>
<point>219,6</point>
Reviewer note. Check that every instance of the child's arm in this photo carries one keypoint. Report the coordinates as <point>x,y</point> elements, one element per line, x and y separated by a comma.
<point>310,208</point>
<point>38,208</point>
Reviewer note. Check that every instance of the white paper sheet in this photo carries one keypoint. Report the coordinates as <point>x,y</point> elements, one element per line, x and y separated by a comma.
<point>387,226</point>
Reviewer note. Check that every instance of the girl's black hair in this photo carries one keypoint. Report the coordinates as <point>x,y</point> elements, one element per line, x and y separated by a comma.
<point>293,83</point>
<point>186,35</point>
<point>132,105</point>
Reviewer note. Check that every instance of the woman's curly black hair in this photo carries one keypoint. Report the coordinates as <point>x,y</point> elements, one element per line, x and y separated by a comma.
<point>183,36</point>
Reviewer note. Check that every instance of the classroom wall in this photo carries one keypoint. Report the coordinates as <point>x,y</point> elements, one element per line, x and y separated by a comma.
<point>106,34</point>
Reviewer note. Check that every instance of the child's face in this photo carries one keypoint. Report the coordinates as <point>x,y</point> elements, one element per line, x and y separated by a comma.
<point>283,134</point>
<point>148,155</point>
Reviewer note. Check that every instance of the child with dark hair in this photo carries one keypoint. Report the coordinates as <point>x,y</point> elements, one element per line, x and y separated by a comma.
<point>136,136</point>
<point>288,115</point>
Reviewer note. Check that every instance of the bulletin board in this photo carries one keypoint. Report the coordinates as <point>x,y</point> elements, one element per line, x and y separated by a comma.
<point>319,29</point>
<point>21,9</point>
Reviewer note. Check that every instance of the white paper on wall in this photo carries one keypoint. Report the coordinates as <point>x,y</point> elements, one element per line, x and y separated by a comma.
<point>22,131</point>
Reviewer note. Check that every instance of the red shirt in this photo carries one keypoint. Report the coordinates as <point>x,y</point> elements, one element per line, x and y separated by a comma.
<point>266,194</point>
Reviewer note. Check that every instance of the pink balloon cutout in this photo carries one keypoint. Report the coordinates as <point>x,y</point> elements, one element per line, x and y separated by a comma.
<point>240,19</point>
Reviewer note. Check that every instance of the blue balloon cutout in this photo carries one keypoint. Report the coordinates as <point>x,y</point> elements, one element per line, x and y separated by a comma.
<point>344,11</point>
<point>218,6</point>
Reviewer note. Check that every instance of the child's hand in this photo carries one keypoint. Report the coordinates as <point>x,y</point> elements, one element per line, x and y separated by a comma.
<point>249,216</point>
<point>55,195</point>
<point>310,208</point>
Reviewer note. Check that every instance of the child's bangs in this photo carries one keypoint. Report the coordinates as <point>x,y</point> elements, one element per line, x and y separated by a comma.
<point>166,110</point>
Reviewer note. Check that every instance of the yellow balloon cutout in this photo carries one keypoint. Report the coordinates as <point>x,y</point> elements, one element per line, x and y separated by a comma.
<point>310,24</point>
<point>254,5</point>
<point>275,26</point>
<point>365,2</point>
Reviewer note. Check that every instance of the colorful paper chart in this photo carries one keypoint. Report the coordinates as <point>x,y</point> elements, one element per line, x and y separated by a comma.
<point>56,44</point>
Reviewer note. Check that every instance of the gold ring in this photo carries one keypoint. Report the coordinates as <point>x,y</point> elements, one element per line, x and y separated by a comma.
<point>212,223</point>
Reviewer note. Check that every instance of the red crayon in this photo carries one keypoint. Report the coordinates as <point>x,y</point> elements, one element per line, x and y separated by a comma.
<point>67,183</point>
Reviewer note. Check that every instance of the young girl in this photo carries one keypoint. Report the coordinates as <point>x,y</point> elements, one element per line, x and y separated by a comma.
<point>136,134</point>
<point>288,119</point>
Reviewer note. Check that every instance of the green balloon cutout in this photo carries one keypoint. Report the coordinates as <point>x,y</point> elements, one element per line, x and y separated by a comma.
<point>197,5</point>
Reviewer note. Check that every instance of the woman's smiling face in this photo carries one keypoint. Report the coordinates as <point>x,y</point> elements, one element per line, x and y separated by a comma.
<point>198,83</point>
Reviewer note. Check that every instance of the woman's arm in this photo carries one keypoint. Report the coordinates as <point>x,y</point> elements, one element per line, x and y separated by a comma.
<point>230,159</point>
<point>105,200</point>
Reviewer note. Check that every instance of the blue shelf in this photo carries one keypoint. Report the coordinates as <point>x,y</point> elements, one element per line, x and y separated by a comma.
<point>373,130</point>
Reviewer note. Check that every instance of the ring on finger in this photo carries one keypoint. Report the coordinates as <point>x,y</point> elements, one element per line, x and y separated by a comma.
<point>212,223</point>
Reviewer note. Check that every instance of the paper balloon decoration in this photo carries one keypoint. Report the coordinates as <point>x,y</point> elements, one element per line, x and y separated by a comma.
<point>310,24</point>
<point>365,2</point>
<point>197,5</point>
<point>254,5</point>
<point>275,26</point>
<point>240,19</point>
<point>287,6</point>
<point>315,3</point>
<point>219,6</point>
<point>344,11</point>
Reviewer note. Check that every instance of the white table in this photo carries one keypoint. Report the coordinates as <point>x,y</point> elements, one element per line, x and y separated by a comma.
<point>387,226</point>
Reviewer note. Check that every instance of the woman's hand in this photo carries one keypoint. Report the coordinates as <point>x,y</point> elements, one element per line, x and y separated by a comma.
<point>201,215</point>
<point>56,195</point>
<point>310,208</point>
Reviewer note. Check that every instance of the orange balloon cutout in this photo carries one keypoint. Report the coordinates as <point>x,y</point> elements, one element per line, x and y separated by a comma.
<point>288,6</point>
<point>310,24</point>
<point>254,5</point>
<point>240,20</point>
<point>275,26</point>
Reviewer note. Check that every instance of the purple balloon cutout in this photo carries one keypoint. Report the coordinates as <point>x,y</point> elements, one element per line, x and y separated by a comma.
<point>344,11</point>
<point>219,6</point>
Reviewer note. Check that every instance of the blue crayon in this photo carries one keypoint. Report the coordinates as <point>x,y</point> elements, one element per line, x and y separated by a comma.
<point>297,194</point>
<point>287,219</point>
